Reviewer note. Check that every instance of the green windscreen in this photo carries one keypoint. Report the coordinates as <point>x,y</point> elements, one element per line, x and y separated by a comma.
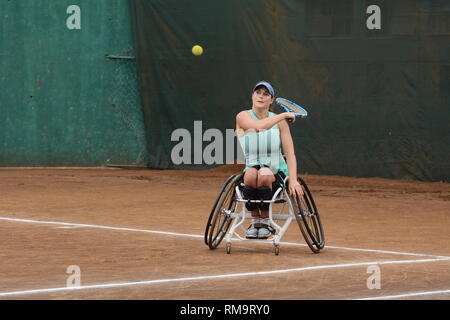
<point>116,90</point>
<point>378,99</point>
<point>62,102</point>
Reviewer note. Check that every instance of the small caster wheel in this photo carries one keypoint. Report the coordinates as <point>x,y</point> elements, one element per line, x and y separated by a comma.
<point>277,250</point>
<point>228,248</point>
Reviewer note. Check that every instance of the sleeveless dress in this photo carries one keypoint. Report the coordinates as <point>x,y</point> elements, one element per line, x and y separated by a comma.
<point>263,148</point>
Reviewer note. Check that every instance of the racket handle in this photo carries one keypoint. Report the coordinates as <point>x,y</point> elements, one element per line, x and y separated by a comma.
<point>290,120</point>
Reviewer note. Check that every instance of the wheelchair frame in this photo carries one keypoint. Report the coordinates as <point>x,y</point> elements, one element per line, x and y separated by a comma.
<point>303,210</point>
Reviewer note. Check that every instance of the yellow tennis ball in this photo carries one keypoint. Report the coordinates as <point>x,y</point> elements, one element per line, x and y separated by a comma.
<point>197,50</point>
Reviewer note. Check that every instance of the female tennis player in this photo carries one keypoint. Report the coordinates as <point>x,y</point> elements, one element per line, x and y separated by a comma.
<point>262,135</point>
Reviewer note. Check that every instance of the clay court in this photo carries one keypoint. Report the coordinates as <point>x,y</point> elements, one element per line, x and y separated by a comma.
<point>138,234</point>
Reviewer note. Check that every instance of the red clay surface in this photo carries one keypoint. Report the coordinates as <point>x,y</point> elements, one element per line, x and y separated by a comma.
<point>376,214</point>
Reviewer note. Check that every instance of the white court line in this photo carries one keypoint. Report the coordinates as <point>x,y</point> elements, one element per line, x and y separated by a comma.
<point>388,252</point>
<point>199,236</point>
<point>220,276</point>
<point>99,227</point>
<point>406,295</point>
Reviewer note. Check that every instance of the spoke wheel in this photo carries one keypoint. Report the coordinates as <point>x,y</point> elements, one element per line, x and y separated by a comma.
<point>308,219</point>
<point>219,220</point>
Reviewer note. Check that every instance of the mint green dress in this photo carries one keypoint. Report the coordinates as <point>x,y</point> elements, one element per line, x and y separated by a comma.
<point>263,148</point>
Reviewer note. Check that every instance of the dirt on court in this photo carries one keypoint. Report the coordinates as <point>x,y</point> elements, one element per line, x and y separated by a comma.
<point>406,223</point>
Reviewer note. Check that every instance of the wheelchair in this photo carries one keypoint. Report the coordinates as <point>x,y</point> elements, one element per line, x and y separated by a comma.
<point>229,212</point>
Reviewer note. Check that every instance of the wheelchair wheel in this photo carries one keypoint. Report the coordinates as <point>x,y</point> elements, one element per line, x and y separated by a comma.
<point>308,219</point>
<point>219,222</point>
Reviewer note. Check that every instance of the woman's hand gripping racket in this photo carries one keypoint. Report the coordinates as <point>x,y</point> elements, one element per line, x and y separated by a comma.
<point>289,106</point>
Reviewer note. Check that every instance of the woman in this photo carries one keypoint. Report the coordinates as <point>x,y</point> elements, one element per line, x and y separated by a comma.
<point>262,134</point>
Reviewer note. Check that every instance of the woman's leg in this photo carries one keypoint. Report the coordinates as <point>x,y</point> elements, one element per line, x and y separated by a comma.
<point>251,180</point>
<point>264,182</point>
<point>265,179</point>
<point>250,192</point>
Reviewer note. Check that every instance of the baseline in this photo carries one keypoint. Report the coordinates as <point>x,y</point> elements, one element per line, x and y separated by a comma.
<point>202,278</point>
<point>68,224</point>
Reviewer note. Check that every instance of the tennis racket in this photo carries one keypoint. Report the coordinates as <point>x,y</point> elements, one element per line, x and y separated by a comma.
<point>289,106</point>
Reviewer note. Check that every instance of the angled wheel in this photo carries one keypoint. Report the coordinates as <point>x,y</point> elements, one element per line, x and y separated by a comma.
<point>219,221</point>
<point>308,219</point>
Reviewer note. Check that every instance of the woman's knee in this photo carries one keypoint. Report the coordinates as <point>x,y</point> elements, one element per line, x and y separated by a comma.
<point>251,177</point>
<point>265,177</point>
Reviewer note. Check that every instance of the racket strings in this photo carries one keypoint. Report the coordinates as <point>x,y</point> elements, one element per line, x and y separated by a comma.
<point>292,107</point>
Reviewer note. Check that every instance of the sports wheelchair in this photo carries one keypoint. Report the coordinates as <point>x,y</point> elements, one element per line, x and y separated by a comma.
<point>229,213</point>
